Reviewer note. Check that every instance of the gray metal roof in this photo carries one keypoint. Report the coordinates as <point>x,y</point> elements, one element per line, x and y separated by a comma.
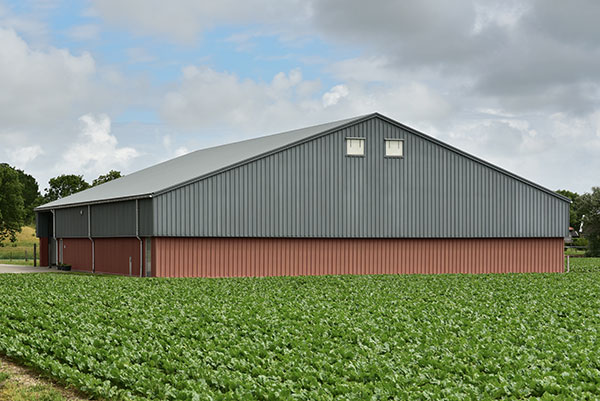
<point>190,167</point>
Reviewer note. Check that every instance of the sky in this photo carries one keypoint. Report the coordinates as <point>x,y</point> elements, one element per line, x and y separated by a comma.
<point>98,85</point>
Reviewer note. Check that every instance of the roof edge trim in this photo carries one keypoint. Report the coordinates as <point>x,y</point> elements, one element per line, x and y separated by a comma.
<point>43,208</point>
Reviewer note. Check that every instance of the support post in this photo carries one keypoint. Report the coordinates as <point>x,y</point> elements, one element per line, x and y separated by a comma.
<point>89,212</point>
<point>54,236</point>
<point>34,255</point>
<point>137,235</point>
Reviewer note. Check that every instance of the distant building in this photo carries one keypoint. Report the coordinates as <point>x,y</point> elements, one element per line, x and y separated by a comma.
<point>366,195</point>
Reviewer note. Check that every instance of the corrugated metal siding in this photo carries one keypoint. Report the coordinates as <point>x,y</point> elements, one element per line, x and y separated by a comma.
<point>238,257</point>
<point>44,252</point>
<point>112,255</point>
<point>77,252</point>
<point>43,224</point>
<point>52,248</point>
<point>145,210</point>
<point>314,190</point>
<point>113,219</point>
<point>72,222</point>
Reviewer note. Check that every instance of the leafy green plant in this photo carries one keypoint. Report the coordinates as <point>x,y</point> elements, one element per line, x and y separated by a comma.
<point>584,265</point>
<point>455,337</point>
<point>3,377</point>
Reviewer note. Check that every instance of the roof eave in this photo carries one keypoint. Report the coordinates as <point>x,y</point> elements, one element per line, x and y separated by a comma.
<point>44,208</point>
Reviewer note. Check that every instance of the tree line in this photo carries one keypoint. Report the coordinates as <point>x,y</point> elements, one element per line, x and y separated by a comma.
<point>585,213</point>
<point>20,194</point>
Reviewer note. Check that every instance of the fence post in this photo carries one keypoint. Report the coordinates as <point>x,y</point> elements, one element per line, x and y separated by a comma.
<point>34,255</point>
<point>568,263</point>
<point>26,255</point>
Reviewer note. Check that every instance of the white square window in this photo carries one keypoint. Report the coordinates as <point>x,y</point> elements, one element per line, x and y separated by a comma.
<point>394,148</point>
<point>355,146</point>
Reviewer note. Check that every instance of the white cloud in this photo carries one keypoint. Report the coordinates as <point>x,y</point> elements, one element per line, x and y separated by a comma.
<point>40,87</point>
<point>96,150</point>
<point>221,103</point>
<point>334,95</point>
<point>21,156</point>
<point>180,151</point>
<point>515,83</point>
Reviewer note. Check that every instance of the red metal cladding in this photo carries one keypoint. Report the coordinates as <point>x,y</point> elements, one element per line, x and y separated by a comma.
<point>44,255</point>
<point>112,255</point>
<point>240,257</point>
<point>77,252</point>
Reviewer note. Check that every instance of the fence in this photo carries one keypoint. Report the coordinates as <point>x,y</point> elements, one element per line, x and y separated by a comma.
<point>22,254</point>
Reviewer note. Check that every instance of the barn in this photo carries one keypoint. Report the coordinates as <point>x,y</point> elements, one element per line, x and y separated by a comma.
<point>366,195</point>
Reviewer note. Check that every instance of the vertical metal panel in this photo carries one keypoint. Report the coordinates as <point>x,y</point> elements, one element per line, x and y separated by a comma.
<point>146,224</point>
<point>148,257</point>
<point>72,222</point>
<point>44,252</point>
<point>113,219</point>
<point>52,250</point>
<point>77,252</point>
<point>240,257</point>
<point>112,255</point>
<point>315,190</point>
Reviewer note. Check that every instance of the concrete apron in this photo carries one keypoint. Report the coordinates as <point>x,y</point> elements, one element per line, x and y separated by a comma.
<point>27,269</point>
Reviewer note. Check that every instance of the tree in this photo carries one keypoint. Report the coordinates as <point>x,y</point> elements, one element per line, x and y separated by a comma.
<point>64,185</point>
<point>590,207</point>
<point>31,195</point>
<point>112,175</point>
<point>11,203</point>
<point>574,210</point>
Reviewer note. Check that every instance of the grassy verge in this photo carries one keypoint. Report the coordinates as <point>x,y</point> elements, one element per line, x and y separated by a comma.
<point>514,336</point>
<point>21,251</point>
<point>584,265</point>
<point>20,384</point>
<point>575,252</point>
<point>20,262</point>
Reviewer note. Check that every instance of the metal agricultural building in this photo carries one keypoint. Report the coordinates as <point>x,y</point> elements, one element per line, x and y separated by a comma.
<point>366,195</point>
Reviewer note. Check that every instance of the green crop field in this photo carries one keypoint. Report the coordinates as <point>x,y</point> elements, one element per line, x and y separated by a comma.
<point>585,265</point>
<point>456,337</point>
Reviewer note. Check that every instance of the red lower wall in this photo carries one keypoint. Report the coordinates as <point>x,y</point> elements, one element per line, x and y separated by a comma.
<point>238,257</point>
<point>77,252</point>
<point>111,255</point>
<point>44,255</point>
